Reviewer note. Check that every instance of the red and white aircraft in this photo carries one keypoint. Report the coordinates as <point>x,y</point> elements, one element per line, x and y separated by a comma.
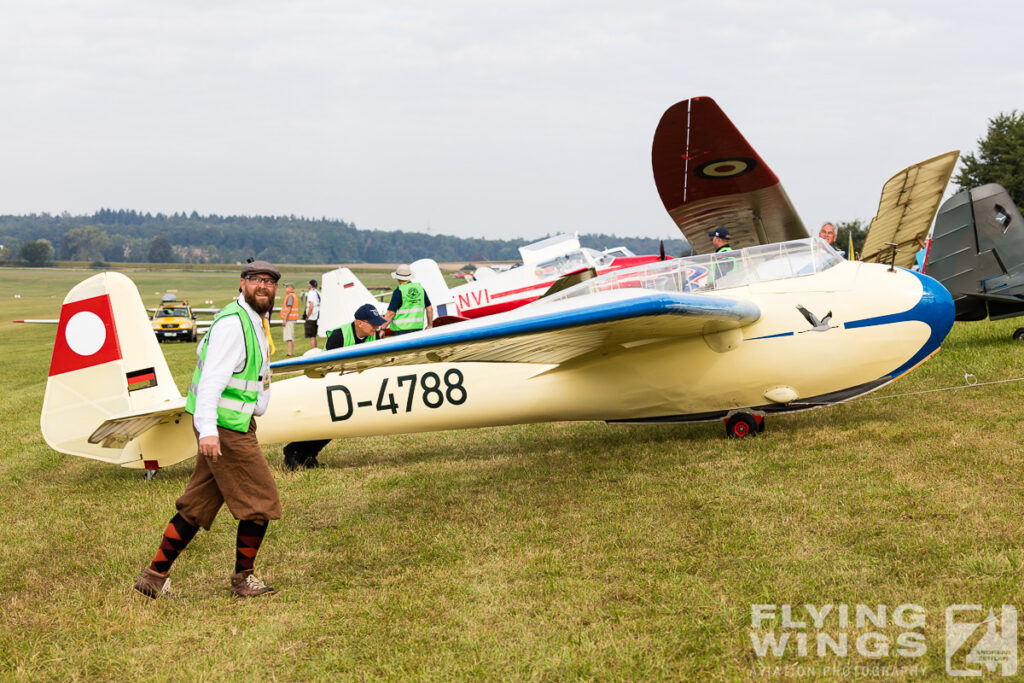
<point>543,264</point>
<point>559,259</point>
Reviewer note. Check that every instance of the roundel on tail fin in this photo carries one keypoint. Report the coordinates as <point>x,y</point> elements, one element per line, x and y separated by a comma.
<point>86,336</point>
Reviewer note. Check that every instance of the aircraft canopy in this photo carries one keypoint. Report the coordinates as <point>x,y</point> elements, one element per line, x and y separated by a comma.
<point>708,272</point>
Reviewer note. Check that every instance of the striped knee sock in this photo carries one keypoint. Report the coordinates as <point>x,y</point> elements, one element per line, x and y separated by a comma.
<point>176,536</point>
<point>250,536</point>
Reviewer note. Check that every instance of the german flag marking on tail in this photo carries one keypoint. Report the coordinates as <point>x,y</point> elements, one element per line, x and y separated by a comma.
<point>141,379</point>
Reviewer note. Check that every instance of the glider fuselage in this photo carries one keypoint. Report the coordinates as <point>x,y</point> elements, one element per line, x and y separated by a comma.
<point>882,323</point>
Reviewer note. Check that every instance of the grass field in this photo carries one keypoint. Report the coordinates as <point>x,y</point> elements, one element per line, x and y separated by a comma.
<point>542,552</point>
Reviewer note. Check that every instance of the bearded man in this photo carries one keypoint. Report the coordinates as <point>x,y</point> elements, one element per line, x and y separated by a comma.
<point>230,386</point>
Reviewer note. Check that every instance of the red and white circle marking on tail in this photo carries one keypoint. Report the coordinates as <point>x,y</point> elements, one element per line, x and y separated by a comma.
<point>85,333</point>
<point>86,336</point>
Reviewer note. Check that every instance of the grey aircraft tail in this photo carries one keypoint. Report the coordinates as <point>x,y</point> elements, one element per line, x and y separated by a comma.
<point>977,253</point>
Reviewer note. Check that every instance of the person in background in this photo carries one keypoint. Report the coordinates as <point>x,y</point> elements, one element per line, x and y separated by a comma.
<point>361,330</point>
<point>829,233</point>
<point>289,314</point>
<point>409,309</point>
<point>312,312</point>
<point>720,239</point>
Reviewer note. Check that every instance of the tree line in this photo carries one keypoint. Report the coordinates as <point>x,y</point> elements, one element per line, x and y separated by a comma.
<point>129,236</point>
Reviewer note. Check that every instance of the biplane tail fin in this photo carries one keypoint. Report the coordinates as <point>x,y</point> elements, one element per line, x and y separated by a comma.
<point>109,394</point>
<point>977,253</point>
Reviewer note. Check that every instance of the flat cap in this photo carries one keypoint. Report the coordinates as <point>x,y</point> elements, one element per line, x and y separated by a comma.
<point>255,267</point>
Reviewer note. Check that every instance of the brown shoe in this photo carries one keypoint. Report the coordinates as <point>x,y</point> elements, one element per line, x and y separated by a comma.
<point>246,585</point>
<point>153,584</point>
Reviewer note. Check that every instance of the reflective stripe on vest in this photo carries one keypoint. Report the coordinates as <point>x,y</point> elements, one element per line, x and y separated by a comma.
<point>235,406</point>
<point>413,313</point>
<point>233,382</point>
<point>237,402</point>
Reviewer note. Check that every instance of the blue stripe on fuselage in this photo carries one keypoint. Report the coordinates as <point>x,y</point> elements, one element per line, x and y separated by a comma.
<point>935,308</point>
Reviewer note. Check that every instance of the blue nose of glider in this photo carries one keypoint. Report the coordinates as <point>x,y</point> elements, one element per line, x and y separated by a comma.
<point>936,309</point>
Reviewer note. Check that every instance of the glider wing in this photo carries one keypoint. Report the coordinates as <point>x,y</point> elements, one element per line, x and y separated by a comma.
<point>549,333</point>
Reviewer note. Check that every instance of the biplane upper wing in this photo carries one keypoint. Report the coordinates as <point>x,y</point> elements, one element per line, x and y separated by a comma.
<point>906,209</point>
<point>549,333</point>
<point>709,176</point>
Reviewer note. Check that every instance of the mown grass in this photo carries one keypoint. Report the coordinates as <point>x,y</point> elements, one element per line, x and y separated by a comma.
<point>537,552</point>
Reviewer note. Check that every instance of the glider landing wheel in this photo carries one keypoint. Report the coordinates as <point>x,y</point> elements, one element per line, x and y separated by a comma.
<point>150,474</point>
<point>1018,334</point>
<point>743,425</point>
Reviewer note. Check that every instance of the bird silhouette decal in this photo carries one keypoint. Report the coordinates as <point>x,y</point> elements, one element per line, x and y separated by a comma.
<point>816,325</point>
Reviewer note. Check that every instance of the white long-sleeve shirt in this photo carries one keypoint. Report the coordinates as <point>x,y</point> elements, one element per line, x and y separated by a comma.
<point>225,355</point>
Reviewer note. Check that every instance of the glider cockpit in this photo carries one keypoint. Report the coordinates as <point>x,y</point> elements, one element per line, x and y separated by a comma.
<point>715,272</point>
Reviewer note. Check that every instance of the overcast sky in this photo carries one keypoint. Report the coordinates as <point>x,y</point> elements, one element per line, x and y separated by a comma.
<point>492,118</point>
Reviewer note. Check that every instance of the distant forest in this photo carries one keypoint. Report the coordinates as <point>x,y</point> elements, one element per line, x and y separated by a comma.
<point>129,236</point>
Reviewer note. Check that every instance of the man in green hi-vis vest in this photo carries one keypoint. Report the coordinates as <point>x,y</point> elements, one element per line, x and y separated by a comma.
<point>230,386</point>
<point>361,330</point>
<point>720,267</point>
<point>409,310</point>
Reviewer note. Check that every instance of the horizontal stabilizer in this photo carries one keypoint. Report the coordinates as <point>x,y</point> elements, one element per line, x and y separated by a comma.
<point>999,307</point>
<point>550,333</point>
<point>118,431</point>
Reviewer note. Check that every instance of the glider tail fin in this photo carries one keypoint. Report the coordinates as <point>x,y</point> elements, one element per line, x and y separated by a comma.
<point>428,273</point>
<point>977,252</point>
<point>343,293</point>
<point>106,370</point>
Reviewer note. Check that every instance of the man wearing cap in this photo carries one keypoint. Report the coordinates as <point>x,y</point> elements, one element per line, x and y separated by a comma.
<point>720,239</point>
<point>722,266</point>
<point>409,310</point>
<point>312,312</point>
<point>230,386</point>
<point>361,330</point>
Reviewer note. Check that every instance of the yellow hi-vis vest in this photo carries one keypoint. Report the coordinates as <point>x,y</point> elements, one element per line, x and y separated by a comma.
<point>413,313</point>
<point>237,402</point>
